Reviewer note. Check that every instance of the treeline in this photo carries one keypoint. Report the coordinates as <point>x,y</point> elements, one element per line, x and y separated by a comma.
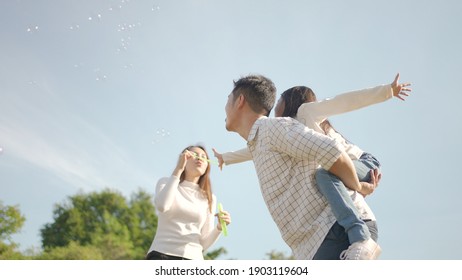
<point>92,226</point>
<point>96,225</point>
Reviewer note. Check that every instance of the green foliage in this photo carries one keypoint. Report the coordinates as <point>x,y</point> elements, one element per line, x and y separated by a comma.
<point>143,224</point>
<point>11,221</point>
<point>10,252</point>
<point>118,228</point>
<point>94,226</point>
<point>213,255</point>
<point>275,255</point>
<point>73,251</point>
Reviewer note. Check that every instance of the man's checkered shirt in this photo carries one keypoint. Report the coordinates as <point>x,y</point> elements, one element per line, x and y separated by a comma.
<point>286,155</point>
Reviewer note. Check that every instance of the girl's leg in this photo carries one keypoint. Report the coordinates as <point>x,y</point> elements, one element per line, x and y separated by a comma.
<point>364,165</point>
<point>373,229</point>
<point>342,206</point>
<point>336,241</point>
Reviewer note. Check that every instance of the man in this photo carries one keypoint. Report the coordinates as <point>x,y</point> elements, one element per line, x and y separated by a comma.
<point>286,155</point>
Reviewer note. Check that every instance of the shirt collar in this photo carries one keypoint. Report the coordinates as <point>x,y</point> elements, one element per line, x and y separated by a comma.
<point>189,185</point>
<point>254,130</point>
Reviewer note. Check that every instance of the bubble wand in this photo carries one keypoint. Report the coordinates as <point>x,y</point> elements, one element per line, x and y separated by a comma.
<point>224,229</point>
<point>196,156</point>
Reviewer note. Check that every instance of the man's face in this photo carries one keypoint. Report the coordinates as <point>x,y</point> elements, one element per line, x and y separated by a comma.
<point>230,112</point>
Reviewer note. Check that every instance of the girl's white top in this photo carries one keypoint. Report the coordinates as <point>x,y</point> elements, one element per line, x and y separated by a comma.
<point>186,227</point>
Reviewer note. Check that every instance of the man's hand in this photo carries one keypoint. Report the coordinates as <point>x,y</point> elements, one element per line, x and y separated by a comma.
<point>368,188</point>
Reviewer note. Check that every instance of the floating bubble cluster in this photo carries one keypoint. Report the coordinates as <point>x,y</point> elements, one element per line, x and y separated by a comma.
<point>95,17</point>
<point>32,28</point>
<point>74,27</point>
<point>160,134</point>
<point>100,77</point>
<point>124,44</point>
<point>125,30</point>
<point>128,66</point>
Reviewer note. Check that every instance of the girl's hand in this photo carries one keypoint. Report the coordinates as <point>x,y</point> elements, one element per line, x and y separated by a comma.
<point>181,164</point>
<point>225,216</point>
<point>399,90</point>
<point>219,157</point>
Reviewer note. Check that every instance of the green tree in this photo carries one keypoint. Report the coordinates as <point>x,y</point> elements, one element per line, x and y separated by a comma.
<point>120,229</point>
<point>73,251</point>
<point>11,221</point>
<point>275,255</point>
<point>213,255</point>
<point>143,222</point>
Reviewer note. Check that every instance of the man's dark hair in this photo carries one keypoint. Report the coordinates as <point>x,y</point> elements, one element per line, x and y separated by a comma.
<point>259,92</point>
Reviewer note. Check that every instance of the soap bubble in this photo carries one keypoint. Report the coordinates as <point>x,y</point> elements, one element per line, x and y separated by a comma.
<point>100,77</point>
<point>74,27</point>
<point>32,28</point>
<point>160,135</point>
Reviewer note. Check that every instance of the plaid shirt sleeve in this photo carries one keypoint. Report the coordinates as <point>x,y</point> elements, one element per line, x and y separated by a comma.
<point>296,140</point>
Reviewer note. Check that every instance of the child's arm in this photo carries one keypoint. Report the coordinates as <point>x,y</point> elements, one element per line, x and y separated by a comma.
<point>350,101</point>
<point>320,110</point>
<point>232,157</point>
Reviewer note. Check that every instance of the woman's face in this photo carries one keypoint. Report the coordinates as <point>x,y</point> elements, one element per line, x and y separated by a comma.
<point>197,163</point>
<point>280,106</point>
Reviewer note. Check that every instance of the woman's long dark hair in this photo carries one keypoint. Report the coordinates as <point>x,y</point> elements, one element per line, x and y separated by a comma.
<point>294,97</point>
<point>204,181</point>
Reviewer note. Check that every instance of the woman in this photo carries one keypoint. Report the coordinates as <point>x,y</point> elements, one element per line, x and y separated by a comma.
<point>185,205</point>
<point>350,209</point>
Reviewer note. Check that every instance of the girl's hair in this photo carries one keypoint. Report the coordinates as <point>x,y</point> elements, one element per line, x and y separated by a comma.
<point>294,97</point>
<point>204,181</point>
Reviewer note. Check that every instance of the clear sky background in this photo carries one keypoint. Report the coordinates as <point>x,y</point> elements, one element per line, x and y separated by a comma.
<point>105,94</point>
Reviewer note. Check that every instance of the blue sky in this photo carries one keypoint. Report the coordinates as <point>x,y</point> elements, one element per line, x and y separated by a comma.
<point>98,94</point>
